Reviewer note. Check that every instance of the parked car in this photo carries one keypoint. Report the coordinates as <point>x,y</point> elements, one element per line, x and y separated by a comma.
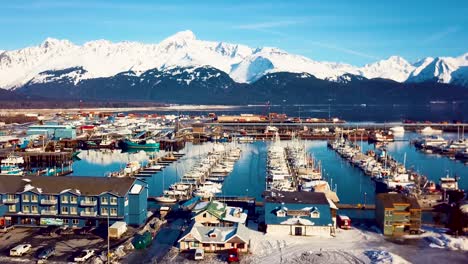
<point>46,253</point>
<point>233,255</point>
<point>199,254</point>
<point>66,231</point>
<point>20,250</point>
<point>84,255</point>
<point>85,230</point>
<point>50,230</point>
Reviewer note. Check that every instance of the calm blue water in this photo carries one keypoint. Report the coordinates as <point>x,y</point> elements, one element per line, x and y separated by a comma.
<point>377,113</point>
<point>248,177</point>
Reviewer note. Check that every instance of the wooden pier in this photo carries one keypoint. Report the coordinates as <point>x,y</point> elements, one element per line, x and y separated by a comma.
<point>42,159</point>
<point>146,170</point>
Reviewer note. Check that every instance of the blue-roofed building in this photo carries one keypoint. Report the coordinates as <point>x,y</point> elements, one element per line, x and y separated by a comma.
<point>299,213</point>
<point>72,201</point>
<point>52,131</point>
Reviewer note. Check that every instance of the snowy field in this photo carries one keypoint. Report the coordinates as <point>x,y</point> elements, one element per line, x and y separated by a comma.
<point>362,244</point>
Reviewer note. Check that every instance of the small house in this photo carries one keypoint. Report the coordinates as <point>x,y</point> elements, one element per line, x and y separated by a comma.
<point>216,213</point>
<point>214,239</point>
<point>299,213</point>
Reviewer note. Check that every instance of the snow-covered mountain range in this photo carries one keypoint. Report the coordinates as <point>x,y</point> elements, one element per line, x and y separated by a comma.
<point>243,64</point>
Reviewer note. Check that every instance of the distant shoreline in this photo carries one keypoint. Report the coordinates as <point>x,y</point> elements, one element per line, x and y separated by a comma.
<point>7,111</point>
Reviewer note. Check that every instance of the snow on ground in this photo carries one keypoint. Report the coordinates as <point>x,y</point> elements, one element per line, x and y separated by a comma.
<point>362,244</point>
<point>437,238</point>
<point>349,246</point>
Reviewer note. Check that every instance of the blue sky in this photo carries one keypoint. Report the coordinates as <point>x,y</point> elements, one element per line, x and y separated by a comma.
<point>355,32</point>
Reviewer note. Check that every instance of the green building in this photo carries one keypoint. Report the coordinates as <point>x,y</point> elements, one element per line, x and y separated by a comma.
<point>397,214</point>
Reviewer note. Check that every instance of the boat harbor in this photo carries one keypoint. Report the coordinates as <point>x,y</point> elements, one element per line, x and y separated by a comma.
<point>205,178</point>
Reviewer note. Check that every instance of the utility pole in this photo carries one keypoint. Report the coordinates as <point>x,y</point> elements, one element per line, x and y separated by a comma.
<point>108,241</point>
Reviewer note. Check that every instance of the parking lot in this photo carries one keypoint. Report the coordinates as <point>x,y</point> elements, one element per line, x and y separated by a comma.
<point>68,243</point>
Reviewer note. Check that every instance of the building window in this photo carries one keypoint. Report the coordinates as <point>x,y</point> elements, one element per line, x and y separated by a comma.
<point>66,221</point>
<point>204,215</point>
<point>241,245</point>
<point>104,200</point>
<point>315,214</point>
<point>34,198</point>
<point>51,198</point>
<point>104,211</point>
<point>25,209</point>
<point>205,245</point>
<point>34,209</point>
<point>12,208</point>
<point>73,199</point>
<point>10,197</point>
<point>113,200</point>
<point>25,197</point>
<point>64,199</point>
<point>281,213</point>
<point>113,211</point>
<point>72,210</point>
<point>75,221</point>
<point>65,210</point>
<point>387,223</point>
<point>388,212</point>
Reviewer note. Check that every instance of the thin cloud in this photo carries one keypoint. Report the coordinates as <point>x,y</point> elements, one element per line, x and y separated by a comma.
<point>440,35</point>
<point>268,25</point>
<point>345,50</point>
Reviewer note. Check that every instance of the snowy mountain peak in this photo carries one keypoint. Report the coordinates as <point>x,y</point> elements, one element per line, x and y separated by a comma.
<point>54,43</point>
<point>394,68</point>
<point>185,35</point>
<point>102,58</point>
<point>397,59</point>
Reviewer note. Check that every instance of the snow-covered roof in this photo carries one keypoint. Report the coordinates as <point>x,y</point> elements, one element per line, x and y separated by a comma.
<point>298,221</point>
<point>136,189</point>
<point>216,235</point>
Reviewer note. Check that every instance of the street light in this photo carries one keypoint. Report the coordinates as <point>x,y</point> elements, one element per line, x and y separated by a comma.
<point>365,198</point>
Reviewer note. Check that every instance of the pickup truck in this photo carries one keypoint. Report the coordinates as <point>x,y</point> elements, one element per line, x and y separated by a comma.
<point>84,255</point>
<point>20,250</point>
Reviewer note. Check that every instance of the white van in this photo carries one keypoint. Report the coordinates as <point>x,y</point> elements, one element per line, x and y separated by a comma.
<point>199,254</point>
<point>19,250</point>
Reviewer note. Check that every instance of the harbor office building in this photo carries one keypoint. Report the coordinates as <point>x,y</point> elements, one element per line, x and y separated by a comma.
<point>299,214</point>
<point>397,214</point>
<point>71,201</point>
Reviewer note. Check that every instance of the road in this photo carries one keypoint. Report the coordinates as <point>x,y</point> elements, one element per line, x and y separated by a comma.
<point>161,245</point>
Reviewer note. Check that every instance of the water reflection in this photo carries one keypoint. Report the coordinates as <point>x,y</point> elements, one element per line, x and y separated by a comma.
<point>248,176</point>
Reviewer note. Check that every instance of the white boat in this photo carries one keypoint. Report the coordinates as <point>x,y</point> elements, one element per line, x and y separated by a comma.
<point>398,131</point>
<point>132,166</point>
<point>106,143</point>
<point>10,165</point>
<point>11,170</point>
<point>271,129</point>
<point>165,199</point>
<point>448,183</point>
<point>179,186</point>
<point>13,159</point>
<point>156,167</point>
<point>433,141</point>
<point>245,139</point>
<point>430,131</point>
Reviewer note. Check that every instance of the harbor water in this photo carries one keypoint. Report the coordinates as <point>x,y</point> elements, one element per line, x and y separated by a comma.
<point>248,176</point>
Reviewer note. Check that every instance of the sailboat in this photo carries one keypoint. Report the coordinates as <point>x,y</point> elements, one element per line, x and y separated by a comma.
<point>165,198</point>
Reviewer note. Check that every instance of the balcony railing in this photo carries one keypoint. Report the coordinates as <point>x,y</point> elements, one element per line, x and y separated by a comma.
<point>88,203</point>
<point>48,202</point>
<point>48,212</point>
<point>84,213</point>
<point>10,201</point>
